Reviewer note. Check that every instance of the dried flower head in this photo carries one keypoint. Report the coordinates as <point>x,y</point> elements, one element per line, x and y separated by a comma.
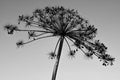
<point>66,23</point>
<point>72,54</point>
<point>19,43</point>
<point>52,55</point>
<point>10,28</point>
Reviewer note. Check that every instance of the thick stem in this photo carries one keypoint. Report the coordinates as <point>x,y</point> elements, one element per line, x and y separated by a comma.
<point>57,59</point>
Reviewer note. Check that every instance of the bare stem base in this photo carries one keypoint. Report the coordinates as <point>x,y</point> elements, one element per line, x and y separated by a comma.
<point>57,59</point>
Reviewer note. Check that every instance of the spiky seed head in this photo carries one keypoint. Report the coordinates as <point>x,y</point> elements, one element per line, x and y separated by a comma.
<point>52,55</point>
<point>72,53</point>
<point>10,28</point>
<point>68,23</point>
<point>19,43</point>
<point>89,55</point>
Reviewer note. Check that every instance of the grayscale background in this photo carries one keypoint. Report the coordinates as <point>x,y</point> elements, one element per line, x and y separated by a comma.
<point>31,62</point>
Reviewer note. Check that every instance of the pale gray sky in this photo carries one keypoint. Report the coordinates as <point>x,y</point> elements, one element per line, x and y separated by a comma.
<point>31,61</point>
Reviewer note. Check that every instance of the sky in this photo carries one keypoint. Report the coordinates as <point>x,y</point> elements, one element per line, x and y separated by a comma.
<point>31,62</point>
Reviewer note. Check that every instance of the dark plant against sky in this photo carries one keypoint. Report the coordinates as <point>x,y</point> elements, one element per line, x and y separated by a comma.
<point>65,24</point>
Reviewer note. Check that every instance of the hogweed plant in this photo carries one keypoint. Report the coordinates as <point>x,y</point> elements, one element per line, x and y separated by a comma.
<point>65,24</point>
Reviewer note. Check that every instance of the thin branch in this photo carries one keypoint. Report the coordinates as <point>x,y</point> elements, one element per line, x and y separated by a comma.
<point>40,26</point>
<point>68,25</point>
<point>34,30</point>
<point>76,30</point>
<point>40,34</point>
<point>70,28</point>
<point>58,23</point>
<point>35,25</point>
<point>57,44</point>
<point>33,35</point>
<point>68,44</point>
<point>96,54</point>
<point>28,20</point>
<point>79,48</point>
<point>44,21</point>
<point>70,39</point>
<point>37,39</point>
<point>55,27</point>
<point>82,51</point>
<point>38,23</point>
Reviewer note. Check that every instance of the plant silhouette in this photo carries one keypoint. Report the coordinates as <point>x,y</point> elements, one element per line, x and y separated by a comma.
<point>66,24</point>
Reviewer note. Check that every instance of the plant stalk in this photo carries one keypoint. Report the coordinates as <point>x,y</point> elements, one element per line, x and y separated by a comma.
<point>57,59</point>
